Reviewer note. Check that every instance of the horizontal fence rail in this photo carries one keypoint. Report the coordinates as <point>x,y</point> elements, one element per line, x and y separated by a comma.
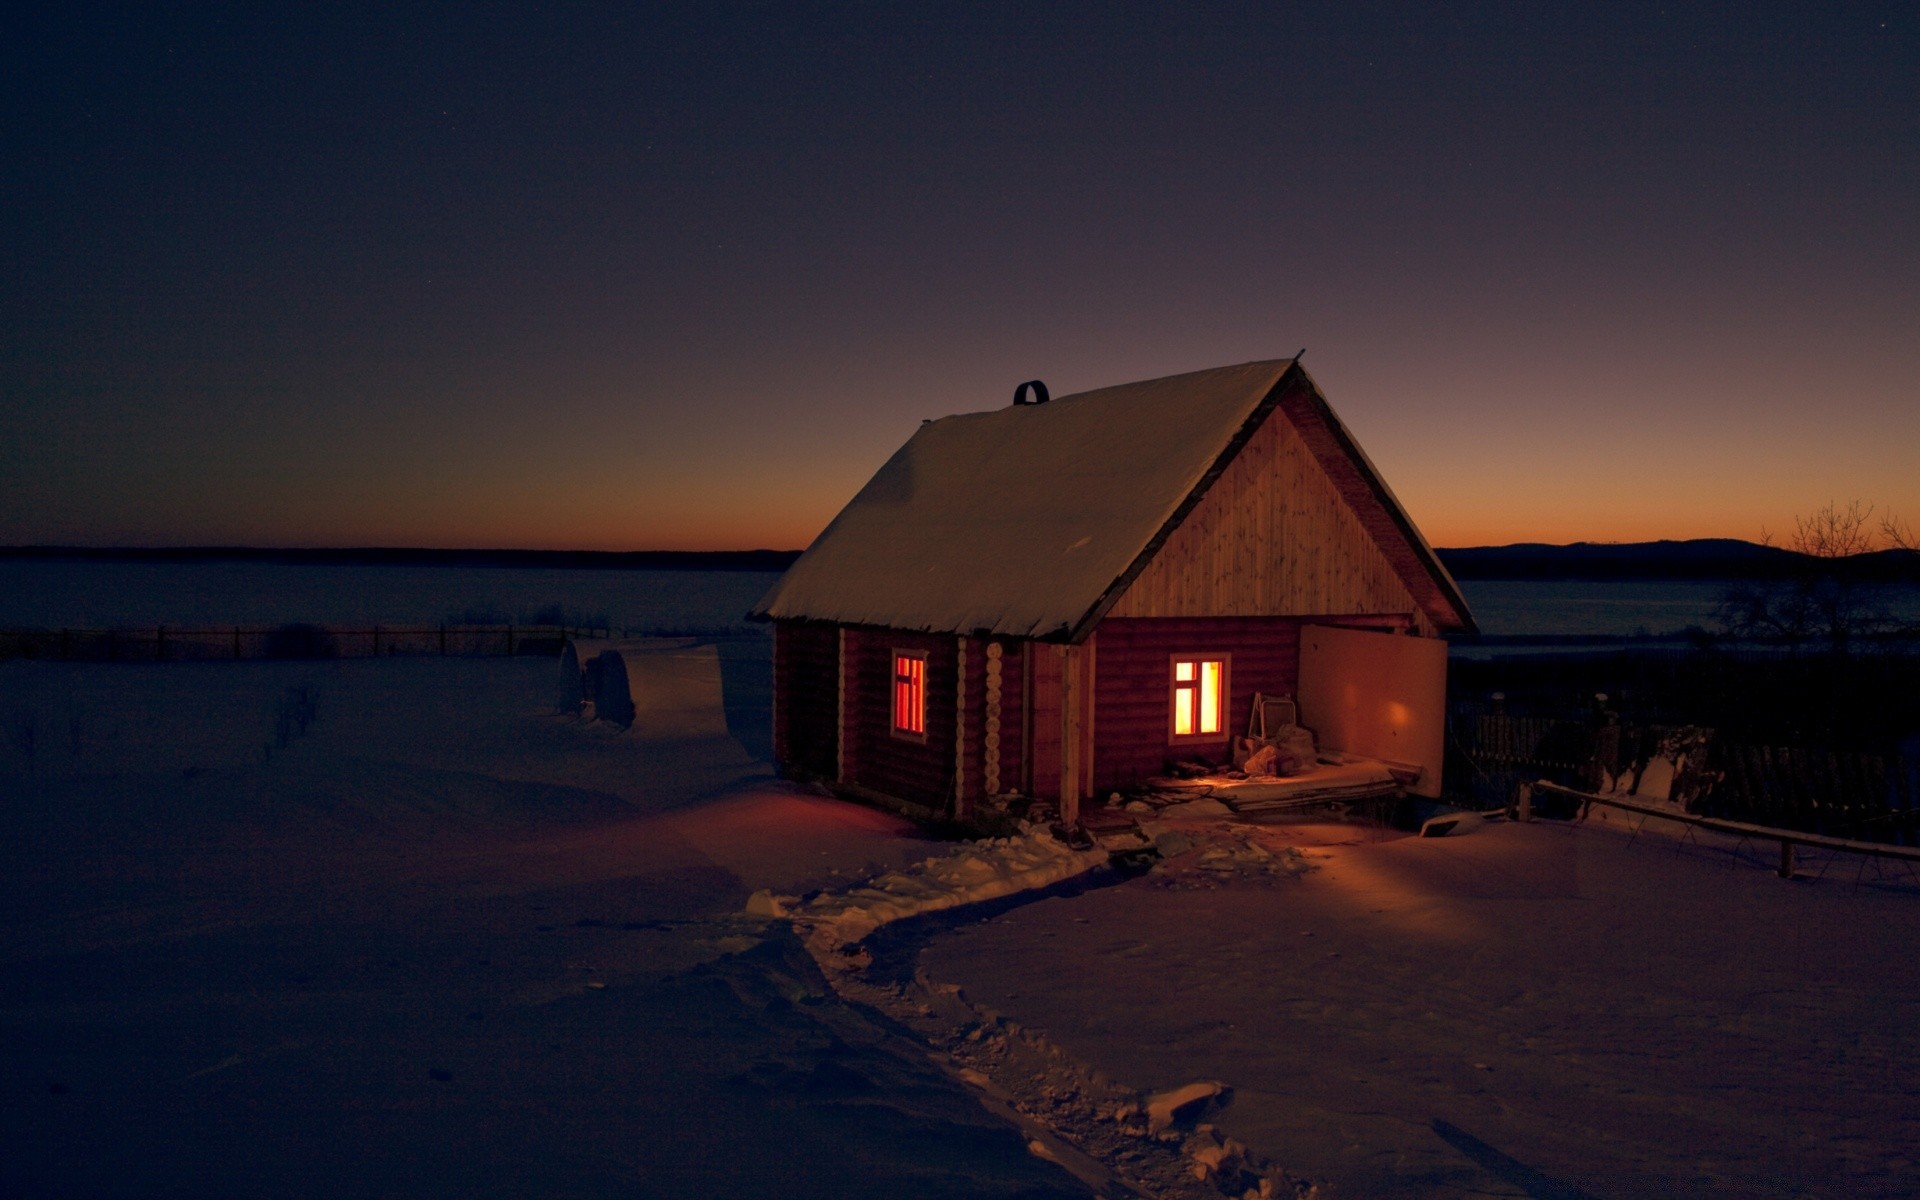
<point>1788,838</point>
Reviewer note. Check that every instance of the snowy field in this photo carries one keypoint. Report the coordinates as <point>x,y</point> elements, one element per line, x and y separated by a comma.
<point>1535,1009</point>
<point>439,942</point>
<point>393,927</point>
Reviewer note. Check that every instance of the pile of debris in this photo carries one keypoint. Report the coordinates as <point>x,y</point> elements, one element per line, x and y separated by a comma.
<point>1192,843</point>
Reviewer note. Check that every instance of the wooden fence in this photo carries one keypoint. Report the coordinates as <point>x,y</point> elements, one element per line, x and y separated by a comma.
<point>170,644</point>
<point>1847,794</point>
<point>1869,796</point>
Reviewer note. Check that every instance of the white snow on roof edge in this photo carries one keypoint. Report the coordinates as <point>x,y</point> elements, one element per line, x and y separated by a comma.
<point>1016,522</point>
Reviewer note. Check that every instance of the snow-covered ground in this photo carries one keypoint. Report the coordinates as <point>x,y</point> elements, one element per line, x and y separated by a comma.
<point>434,940</point>
<point>1529,1009</point>
<point>395,927</point>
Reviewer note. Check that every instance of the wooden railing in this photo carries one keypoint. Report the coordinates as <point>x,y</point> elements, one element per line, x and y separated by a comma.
<point>1788,838</point>
<point>1835,793</point>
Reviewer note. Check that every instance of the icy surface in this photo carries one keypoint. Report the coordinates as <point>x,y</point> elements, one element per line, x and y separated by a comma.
<point>115,595</point>
<point>1017,521</point>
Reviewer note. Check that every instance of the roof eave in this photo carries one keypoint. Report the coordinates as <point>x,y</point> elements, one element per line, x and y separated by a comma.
<point>1462,617</point>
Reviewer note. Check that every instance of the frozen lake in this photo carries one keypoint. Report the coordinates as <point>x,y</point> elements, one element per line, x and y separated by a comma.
<point>1619,608</point>
<point>115,595</point>
<point>107,595</point>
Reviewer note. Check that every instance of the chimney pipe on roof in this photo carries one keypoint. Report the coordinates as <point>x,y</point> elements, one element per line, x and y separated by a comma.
<point>1039,393</point>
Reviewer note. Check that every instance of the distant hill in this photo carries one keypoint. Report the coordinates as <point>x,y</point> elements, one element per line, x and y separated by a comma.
<point>386,556</point>
<point>1700,558</point>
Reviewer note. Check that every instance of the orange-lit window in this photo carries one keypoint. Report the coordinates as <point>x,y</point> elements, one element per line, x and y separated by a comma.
<point>909,694</point>
<point>1199,698</point>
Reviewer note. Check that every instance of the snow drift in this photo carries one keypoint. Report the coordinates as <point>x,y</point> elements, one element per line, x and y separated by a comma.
<point>977,871</point>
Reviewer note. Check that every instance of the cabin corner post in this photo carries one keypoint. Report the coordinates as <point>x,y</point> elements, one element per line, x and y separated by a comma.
<point>1072,769</point>
<point>1089,652</point>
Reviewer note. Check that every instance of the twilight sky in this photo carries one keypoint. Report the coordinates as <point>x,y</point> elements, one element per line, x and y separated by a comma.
<point>658,277</point>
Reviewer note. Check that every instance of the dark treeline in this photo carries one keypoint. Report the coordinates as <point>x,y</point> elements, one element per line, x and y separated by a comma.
<point>1707,559</point>
<point>386,556</point>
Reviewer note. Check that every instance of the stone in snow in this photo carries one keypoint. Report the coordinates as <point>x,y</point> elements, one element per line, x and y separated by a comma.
<point>1164,1107</point>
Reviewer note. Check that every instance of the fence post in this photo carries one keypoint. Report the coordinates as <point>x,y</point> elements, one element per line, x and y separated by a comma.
<point>236,641</point>
<point>509,641</point>
<point>1786,859</point>
<point>376,641</point>
<point>66,638</point>
<point>160,644</point>
<point>443,641</point>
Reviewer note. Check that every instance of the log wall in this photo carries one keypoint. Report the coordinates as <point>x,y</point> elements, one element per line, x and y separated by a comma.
<point>1272,537</point>
<point>1132,686</point>
<point>806,670</point>
<point>906,768</point>
<point>1042,721</point>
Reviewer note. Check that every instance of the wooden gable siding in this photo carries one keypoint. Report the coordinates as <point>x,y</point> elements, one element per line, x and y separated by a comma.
<point>806,691</point>
<point>905,768</point>
<point>1272,537</point>
<point>1378,511</point>
<point>1131,686</point>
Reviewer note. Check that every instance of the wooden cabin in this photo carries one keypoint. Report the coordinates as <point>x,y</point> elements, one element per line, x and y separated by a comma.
<point>1057,599</point>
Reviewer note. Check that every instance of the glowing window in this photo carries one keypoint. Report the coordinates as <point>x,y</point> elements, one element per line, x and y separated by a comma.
<point>909,694</point>
<point>1199,697</point>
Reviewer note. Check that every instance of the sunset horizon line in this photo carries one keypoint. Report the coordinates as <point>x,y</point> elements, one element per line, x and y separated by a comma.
<point>54,549</point>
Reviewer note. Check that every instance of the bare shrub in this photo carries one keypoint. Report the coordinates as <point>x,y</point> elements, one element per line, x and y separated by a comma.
<point>1827,600</point>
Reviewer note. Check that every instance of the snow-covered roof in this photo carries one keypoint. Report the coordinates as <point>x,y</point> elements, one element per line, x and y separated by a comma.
<point>1021,521</point>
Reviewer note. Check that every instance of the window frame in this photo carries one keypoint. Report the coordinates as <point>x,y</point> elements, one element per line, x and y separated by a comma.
<point>1174,685</point>
<point>895,680</point>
